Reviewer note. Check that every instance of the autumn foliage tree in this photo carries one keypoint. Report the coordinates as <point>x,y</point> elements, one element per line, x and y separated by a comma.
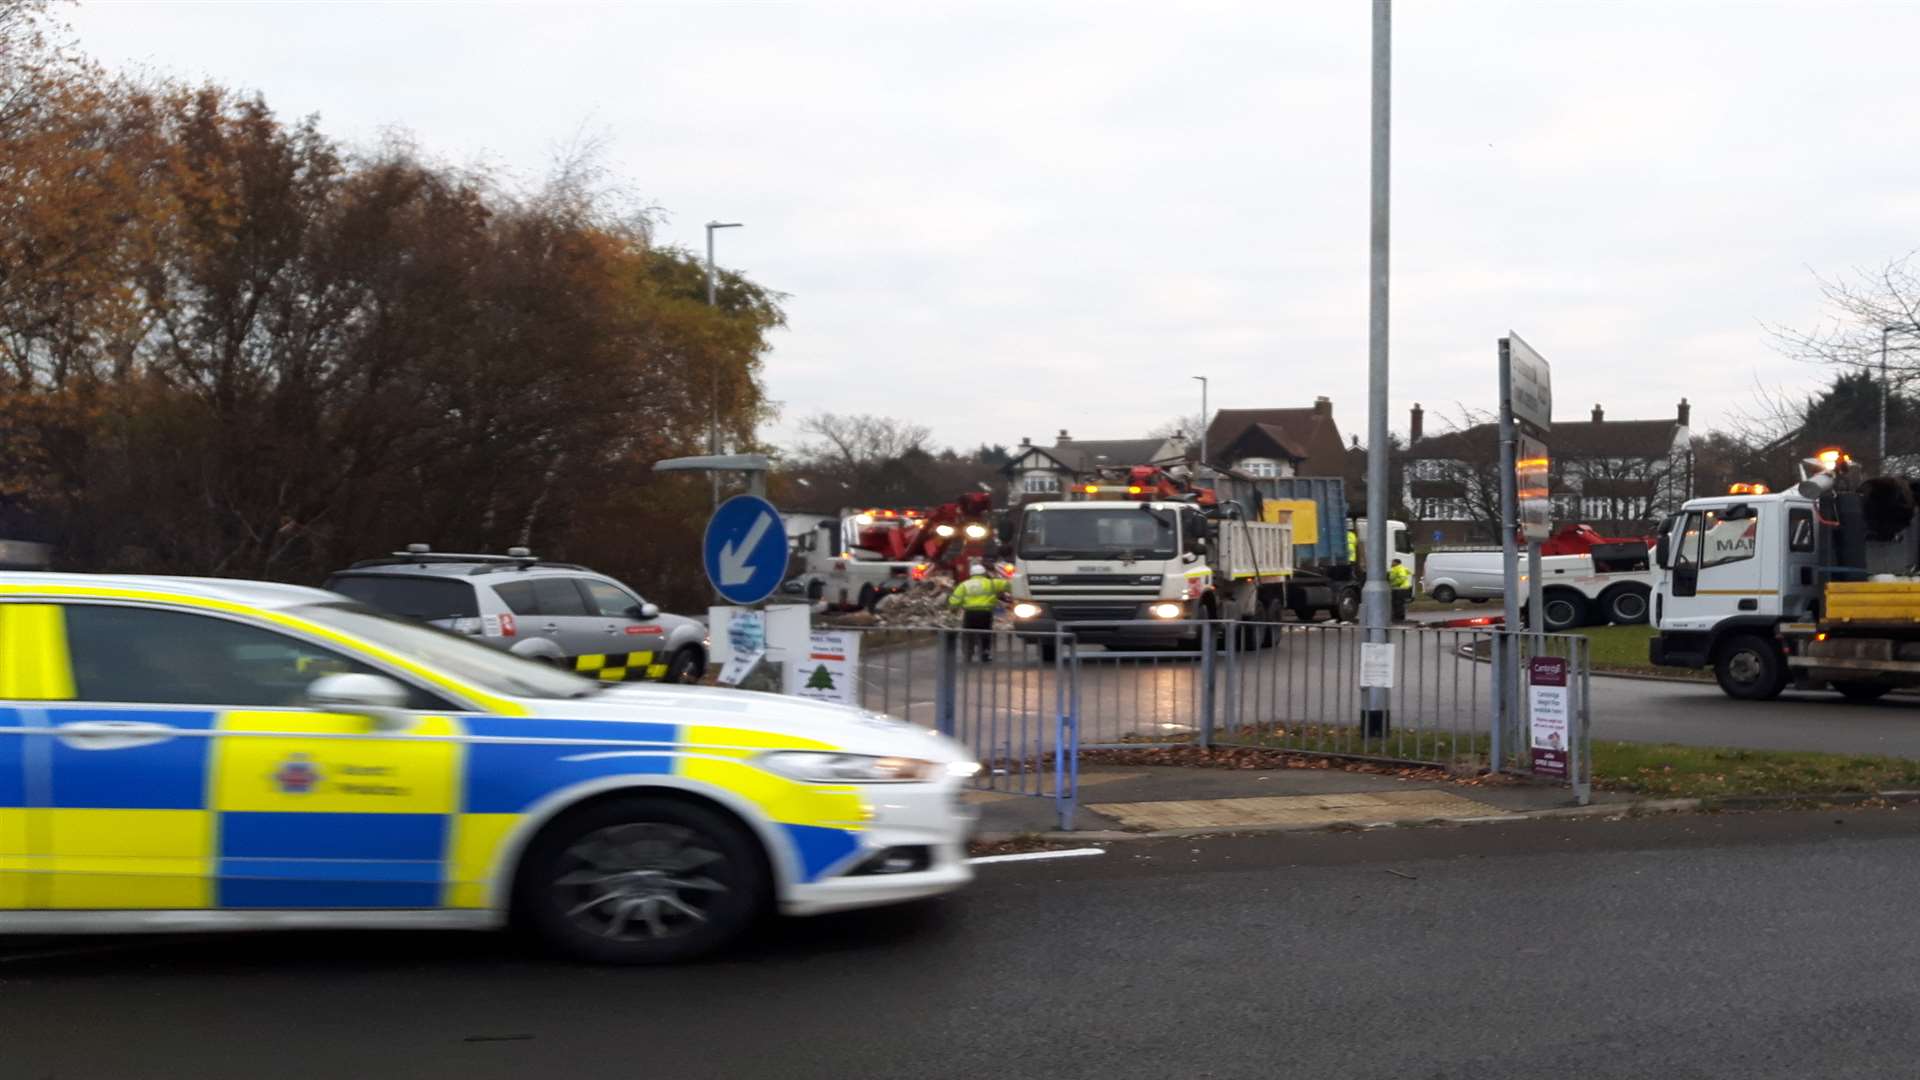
<point>230,345</point>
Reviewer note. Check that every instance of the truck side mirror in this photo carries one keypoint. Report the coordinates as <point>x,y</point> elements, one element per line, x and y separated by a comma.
<point>1662,549</point>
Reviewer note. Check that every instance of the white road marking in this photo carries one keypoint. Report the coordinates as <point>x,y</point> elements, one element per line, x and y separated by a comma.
<point>1029,856</point>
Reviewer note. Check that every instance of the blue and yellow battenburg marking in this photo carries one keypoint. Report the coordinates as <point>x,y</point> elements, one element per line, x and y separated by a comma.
<point>296,810</point>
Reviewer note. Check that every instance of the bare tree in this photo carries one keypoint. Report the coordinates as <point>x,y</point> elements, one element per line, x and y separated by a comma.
<point>1861,305</point>
<point>858,442</point>
<point>1192,426</point>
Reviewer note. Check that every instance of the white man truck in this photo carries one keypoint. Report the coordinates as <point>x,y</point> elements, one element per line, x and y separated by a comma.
<point>1136,568</point>
<point>1815,588</point>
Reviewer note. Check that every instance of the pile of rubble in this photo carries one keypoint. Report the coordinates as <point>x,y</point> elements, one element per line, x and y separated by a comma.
<point>922,604</point>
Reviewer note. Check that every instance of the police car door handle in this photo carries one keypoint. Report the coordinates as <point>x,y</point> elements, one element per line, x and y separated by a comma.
<point>550,627</point>
<point>113,734</point>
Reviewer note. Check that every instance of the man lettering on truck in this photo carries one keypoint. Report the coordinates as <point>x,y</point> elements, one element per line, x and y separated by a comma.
<point>1401,580</point>
<point>976,598</point>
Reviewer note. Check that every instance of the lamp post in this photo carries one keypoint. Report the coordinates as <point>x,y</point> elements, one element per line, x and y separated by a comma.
<point>1375,594</point>
<point>713,396</point>
<point>1202,379</point>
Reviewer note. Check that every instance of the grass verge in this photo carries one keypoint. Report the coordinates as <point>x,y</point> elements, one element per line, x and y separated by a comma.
<point>1624,649</point>
<point>1667,771</point>
<point>1653,770</point>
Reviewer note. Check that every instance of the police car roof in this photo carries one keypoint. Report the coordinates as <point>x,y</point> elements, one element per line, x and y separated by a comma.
<point>263,594</point>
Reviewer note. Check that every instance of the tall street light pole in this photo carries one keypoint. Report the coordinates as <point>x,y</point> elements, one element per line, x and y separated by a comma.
<point>1375,595</point>
<point>1203,419</point>
<point>713,395</point>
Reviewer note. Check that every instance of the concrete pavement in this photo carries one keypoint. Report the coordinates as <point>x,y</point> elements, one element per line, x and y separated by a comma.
<point>1152,798</point>
<point>1756,946</point>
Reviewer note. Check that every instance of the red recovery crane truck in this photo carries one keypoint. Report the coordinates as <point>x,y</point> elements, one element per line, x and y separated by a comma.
<point>854,561</point>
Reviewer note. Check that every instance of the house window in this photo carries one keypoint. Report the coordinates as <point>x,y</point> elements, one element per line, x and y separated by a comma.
<point>1261,467</point>
<point>1040,483</point>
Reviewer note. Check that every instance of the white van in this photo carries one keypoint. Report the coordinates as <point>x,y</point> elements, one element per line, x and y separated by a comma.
<point>1457,575</point>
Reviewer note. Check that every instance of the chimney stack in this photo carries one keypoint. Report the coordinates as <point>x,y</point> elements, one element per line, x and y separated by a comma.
<point>1026,441</point>
<point>1064,437</point>
<point>1323,406</point>
<point>1686,413</point>
<point>1599,414</point>
<point>1416,423</point>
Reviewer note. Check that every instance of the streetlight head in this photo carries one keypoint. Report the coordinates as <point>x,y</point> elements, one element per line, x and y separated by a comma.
<point>724,224</point>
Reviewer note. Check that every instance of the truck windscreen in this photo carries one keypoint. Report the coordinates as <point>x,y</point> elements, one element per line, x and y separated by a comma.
<point>1121,531</point>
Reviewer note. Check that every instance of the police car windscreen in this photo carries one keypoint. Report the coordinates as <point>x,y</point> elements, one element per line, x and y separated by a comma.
<point>420,598</point>
<point>1124,530</point>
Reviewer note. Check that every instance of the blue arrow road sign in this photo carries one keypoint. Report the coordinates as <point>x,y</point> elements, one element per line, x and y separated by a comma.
<point>746,549</point>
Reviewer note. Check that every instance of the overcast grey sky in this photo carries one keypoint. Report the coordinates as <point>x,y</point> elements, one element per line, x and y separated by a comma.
<point>1005,219</point>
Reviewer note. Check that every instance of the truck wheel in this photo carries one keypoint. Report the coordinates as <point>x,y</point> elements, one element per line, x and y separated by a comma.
<point>1346,606</point>
<point>816,589</point>
<point>1274,614</point>
<point>1862,692</point>
<point>1749,668</point>
<point>1049,649</point>
<point>1564,610</point>
<point>869,596</point>
<point>1444,594</point>
<point>1625,605</point>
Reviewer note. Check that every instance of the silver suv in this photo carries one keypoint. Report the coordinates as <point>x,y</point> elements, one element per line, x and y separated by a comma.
<point>564,614</point>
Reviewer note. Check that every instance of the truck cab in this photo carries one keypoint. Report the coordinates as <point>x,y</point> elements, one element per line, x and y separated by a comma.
<point>1761,587</point>
<point>1110,562</point>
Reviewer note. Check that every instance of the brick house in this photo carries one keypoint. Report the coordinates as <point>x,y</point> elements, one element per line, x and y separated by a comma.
<point>1620,476</point>
<point>1278,442</point>
<point>1038,473</point>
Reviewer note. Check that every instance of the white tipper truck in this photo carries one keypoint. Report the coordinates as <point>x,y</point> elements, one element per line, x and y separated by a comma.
<point>1131,573</point>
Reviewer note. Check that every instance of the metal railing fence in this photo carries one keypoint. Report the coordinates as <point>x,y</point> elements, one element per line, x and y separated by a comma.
<point>1027,702</point>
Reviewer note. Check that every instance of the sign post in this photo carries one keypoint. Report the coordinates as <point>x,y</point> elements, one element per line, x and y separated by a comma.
<point>745,555</point>
<point>1526,413</point>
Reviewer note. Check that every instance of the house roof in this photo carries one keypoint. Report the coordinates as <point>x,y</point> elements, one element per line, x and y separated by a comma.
<point>1568,439</point>
<point>1271,437</point>
<point>1086,455</point>
<point>1300,430</point>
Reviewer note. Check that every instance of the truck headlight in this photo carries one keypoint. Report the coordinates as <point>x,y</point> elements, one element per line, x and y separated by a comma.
<point>825,767</point>
<point>1026,610</point>
<point>1166,609</point>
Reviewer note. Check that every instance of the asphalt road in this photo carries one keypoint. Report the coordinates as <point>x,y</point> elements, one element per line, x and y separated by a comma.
<point>1736,946</point>
<point>1007,707</point>
<point>1698,714</point>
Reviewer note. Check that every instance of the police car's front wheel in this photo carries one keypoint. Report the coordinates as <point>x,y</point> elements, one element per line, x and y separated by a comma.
<point>642,881</point>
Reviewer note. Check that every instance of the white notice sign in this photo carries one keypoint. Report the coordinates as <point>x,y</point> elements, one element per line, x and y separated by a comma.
<point>1376,664</point>
<point>747,641</point>
<point>830,669</point>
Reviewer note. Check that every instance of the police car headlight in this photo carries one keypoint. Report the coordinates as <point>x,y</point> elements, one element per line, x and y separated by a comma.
<point>820,767</point>
<point>1025,610</point>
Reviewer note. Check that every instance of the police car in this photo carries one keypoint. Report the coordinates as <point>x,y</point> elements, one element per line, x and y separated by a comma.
<point>198,754</point>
